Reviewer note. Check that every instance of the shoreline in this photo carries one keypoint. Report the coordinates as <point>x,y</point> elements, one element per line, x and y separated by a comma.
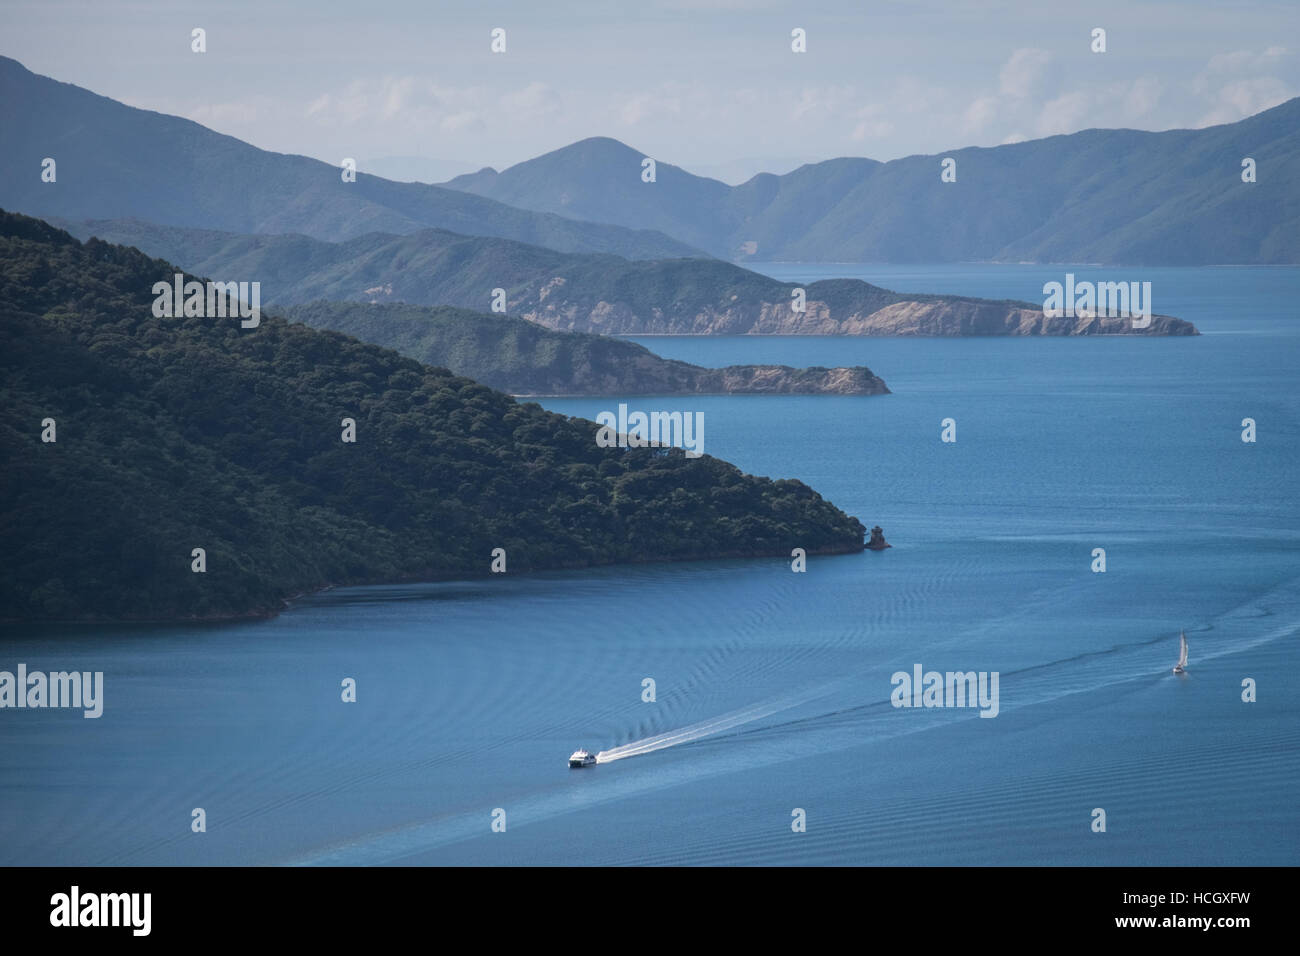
<point>868,335</point>
<point>265,614</point>
<point>614,396</point>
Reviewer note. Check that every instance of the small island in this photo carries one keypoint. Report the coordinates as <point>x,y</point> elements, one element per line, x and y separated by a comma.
<point>528,360</point>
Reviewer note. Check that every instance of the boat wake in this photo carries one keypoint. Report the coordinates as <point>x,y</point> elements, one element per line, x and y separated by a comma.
<point>714,725</point>
<point>837,729</point>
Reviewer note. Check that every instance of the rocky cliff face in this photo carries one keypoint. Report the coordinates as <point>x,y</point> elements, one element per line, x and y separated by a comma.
<point>928,316</point>
<point>592,293</point>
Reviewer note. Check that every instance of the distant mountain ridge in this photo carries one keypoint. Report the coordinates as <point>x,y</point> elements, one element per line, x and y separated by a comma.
<point>1098,196</point>
<point>113,161</point>
<point>589,293</point>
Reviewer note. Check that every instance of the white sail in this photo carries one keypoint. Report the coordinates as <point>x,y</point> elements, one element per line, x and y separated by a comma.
<point>1182,649</point>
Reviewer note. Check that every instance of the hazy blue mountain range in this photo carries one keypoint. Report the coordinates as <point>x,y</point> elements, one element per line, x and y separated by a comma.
<point>117,161</point>
<point>179,433</point>
<point>1097,196</point>
<point>523,358</point>
<point>586,292</point>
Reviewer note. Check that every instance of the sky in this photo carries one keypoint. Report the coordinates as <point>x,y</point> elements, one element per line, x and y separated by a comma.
<point>413,89</point>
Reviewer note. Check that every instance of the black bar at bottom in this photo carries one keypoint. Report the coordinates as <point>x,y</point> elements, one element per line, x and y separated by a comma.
<point>334,905</point>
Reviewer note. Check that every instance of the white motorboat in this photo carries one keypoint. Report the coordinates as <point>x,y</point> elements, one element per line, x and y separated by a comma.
<point>581,758</point>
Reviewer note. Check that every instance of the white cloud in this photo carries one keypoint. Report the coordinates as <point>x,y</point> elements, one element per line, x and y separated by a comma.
<point>1065,113</point>
<point>872,123</point>
<point>423,104</point>
<point>1243,61</point>
<point>1105,107</point>
<point>535,99</point>
<point>1142,98</point>
<point>1022,79</point>
<point>980,114</point>
<point>811,101</point>
<point>1245,97</point>
<point>1241,83</point>
<point>654,105</point>
<point>1023,72</point>
<point>1029,101</point>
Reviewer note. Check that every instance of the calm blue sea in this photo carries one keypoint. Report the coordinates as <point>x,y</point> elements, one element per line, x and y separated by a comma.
<point>471,695</point>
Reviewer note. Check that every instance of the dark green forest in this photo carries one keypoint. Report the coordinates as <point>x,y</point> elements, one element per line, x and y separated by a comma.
<point>178,433</point>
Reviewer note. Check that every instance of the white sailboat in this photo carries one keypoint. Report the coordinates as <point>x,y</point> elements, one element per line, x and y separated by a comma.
<point>1181,666</point>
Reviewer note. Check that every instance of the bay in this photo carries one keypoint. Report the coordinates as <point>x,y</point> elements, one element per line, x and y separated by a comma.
<point>472,694</point>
